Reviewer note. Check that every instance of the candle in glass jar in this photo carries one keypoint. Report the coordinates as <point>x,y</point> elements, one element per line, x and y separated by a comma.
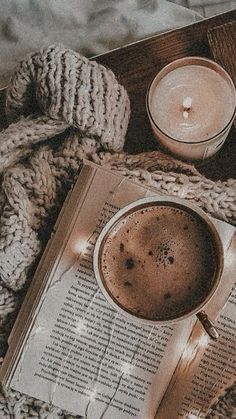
<point>190,102</point>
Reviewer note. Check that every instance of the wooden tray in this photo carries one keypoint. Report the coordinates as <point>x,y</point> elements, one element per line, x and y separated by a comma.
<point>136,65</point>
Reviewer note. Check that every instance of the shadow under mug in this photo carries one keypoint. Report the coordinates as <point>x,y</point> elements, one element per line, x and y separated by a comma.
<point>198,214</point>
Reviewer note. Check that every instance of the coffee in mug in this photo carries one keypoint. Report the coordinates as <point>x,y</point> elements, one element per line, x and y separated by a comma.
<point>158,259</point>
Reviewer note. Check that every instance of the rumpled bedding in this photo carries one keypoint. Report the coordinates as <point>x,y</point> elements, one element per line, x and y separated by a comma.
<point>91,27</point>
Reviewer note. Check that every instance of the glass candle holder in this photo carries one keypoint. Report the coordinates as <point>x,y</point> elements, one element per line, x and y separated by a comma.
<point>191,104</point>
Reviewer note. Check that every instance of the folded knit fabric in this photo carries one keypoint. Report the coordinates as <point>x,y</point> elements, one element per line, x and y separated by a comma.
<point>83,107</point>
<point>56,88</point>
<point>53,89</point>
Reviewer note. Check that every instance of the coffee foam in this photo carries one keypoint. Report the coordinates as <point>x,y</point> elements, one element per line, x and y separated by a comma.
<point>159,262</point>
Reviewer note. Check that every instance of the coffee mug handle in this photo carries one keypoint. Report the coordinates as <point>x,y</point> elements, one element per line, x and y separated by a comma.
<point>208,325</point>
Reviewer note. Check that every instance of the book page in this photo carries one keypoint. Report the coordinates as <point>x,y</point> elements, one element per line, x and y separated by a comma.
<point>207,367</point>
<point>217,367</point>
<point>81,354</point>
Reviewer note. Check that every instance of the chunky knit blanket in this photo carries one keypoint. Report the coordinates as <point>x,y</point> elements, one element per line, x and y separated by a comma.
<point>63,108</point>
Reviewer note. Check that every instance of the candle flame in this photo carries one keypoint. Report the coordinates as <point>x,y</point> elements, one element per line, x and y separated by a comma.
<point>187,103</point>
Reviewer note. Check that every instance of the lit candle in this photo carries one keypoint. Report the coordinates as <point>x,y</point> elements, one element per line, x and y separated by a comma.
<point>191,106</point>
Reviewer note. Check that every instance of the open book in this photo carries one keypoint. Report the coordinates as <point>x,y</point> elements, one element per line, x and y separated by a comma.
<point>69,347</point>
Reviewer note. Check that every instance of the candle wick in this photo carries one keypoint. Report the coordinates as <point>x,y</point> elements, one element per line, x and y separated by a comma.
<point>187,104</point>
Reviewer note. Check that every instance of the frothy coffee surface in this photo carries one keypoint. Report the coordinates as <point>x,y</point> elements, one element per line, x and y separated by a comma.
<point>159,262</point>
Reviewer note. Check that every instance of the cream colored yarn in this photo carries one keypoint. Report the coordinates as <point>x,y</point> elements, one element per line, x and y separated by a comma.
<point>33,189</point>
<point>60,88</point>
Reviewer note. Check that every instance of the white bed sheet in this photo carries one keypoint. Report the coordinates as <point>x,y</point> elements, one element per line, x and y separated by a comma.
<point>89,26</point>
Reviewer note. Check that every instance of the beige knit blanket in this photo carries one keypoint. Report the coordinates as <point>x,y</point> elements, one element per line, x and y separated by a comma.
<point>64,108</point>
